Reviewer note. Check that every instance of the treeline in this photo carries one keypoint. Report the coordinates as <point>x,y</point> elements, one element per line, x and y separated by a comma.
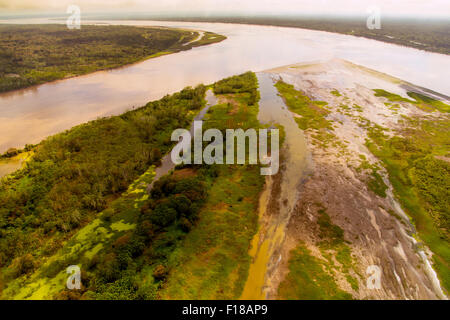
<point>246,82</point>
<point>418,167</point>
<point>34,54</point>
<point>74,175</point>
<point>135,265</point>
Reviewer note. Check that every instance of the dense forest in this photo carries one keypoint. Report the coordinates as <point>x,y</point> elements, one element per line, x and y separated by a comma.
<point>75,175</point>
<point>83,199</point>
<point>427,35</point>
<point>34,54</point>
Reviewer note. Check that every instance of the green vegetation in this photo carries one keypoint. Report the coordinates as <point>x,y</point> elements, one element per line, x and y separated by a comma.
<point>179,240</point>
<point>336,93</point>
<point>423,102</point>
<point>75,175</point>
<point>332,242</point>
<point>245,83</point>
<point>418,167</point>
<point>34,54</point>
<point>213,261</point>
<point>308,280</point>
<point>136,264</point>
<point>375,182</point>
<point>311,278</point>
<point>312,114</point>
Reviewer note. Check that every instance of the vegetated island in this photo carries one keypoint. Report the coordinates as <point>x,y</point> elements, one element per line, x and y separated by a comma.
<point>35,54</point>
<point>429,35</point>
<point>83,198</point>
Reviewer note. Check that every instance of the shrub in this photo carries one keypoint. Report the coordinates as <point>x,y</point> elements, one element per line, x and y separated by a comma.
<point>163,215</point>
<point>160,272</point>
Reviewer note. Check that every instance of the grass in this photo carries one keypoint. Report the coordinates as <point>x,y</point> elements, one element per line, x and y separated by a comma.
<point>36,54</point>
<point>180,240</point>
<point>333,242</point>
<point>336,93</point>
<point>375,182</point>
<point>308,280</point>
<point>311,278</point>
<point>312,115</point>
<point>421,101</point>
<point>74,176</point>
<point>421,180</point>
<point>213,260</point>
<point>208,38</point>
<point>312,112</point>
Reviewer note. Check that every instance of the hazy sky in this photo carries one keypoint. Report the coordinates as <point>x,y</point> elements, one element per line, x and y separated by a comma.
<point>421,8</point>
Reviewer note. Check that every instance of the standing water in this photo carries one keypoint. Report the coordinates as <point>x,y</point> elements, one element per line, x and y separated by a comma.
<point>280,195</point>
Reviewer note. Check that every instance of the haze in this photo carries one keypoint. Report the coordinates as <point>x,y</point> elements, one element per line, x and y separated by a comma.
<point>418,8</point>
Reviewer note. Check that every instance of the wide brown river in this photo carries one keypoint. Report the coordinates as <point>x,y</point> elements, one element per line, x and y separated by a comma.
<point>30,115</point>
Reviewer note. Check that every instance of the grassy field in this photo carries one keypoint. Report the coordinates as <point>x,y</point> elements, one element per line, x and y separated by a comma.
<point>417,162</point>
<point>308,280</point>
<point>416,159</point>
<point>309,277</point>
<point>34,54</point>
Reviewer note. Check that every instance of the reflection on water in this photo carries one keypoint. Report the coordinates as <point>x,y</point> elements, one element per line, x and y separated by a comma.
<point>28,116</point>
<point>9,165</point>
<point>273,219</point>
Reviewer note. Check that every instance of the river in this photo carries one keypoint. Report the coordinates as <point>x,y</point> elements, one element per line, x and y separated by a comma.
<point>30,115</point>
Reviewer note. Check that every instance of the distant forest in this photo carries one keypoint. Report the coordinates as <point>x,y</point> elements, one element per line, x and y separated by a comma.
<point>34,54</point>
<point>430,35</point>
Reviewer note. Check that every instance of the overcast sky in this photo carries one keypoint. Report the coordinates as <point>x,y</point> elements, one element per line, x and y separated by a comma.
<point>422,8</point>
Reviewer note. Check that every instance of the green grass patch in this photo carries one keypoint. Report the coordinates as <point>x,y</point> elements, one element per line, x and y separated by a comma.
<point>421,101</point>
<point>308,280</point>
<point>336,93</point>
<point>312,114</point>
<point>421,180</point>
<point>42,53</point>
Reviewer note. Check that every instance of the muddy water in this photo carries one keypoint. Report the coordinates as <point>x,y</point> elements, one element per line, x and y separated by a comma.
<point>166,161</point>
<point>30,115</point>
<point>273,219</point>
<point>7,167</point>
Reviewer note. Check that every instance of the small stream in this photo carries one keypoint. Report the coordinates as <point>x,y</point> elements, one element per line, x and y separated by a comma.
<point>269,239</point>
<point>166,162</point>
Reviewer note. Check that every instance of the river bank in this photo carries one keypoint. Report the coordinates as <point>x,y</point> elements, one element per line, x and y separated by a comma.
<point>30,115</point>
<point>347,214</point>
